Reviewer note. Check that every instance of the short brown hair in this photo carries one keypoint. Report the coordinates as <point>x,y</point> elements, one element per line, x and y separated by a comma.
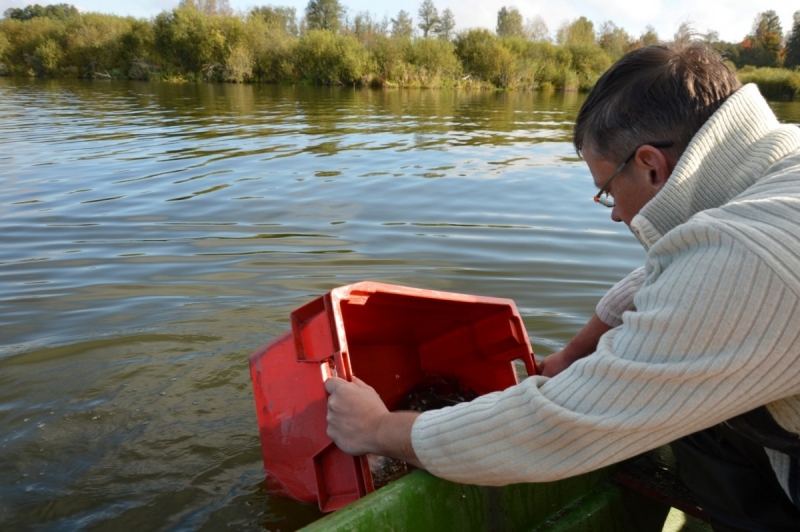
<point>654,93</point>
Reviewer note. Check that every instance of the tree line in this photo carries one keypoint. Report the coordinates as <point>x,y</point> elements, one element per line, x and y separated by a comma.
<point>207,40</point>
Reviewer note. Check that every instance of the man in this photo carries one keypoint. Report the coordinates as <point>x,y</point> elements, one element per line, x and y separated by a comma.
<point>702,343</point>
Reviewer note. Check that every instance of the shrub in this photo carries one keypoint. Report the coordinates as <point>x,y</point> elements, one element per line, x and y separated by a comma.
<point>774,83</point>
<point>271,49</point>
<point>186,39</point>
<point>239,65</point>
<point>137,53</point>
<point>25,37</point>
<point>589,61</point>
<point>47,56</point>
<point>5,46</point>
<point>389,58</point>
<point>478,49</point>
<point>327,58</point>
<point>92,42</point>
<point>436,56</point>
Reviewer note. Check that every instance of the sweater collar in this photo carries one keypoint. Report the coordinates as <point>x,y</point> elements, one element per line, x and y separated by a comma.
<point>729,153</point>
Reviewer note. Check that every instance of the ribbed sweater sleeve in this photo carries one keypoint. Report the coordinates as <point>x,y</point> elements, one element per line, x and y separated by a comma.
<point>620,298</point>
<point>714,334</point>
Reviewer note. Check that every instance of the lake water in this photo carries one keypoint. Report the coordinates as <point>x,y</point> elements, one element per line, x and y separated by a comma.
<point>154,235</point>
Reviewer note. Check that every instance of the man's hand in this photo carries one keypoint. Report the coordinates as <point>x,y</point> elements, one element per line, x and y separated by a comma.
<point>359,422</point>
<point>583,344</point>
<point>355,414</point>
<point>552,365</point>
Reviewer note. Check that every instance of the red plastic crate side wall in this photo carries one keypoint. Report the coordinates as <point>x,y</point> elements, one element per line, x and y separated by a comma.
<point>291,405</point>
<point>339,478</point>
<point>315,334</point>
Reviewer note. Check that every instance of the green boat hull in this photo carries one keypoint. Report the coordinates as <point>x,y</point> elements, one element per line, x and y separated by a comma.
<point>593,502</point>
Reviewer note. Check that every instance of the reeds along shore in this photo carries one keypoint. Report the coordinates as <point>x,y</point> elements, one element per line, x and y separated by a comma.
<point>188,45</point>
<point>774,83</point>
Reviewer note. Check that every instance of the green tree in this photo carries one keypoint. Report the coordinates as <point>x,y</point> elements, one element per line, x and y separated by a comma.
<point>588,62</point>
<point>208,7</point>
<point>187,40</point>
<point>284,18</point>
<point>579,31</point>
<point>684,34</point>
<point>767,33</point>
<point>484,56</point>
<point>614,40</point>
<point>136,48</point>
<point>5,46</point>
<point>367,29</point>
<point>435,57</point>
<point>27,13</point>
<point>92,43</point>
<point>792,58</point>
<point>49,53</point>
<point>54,11</point>
<point>447,25</point>
<point>329,58</point>
<point>403,26</point>
<point>536,29</point>
<point>766,26</point>
<point>509,22</point>
<point>710,36</point>
<point>272,50</point>
<point>428,17</point>
<point>649,36</point>
<point>324,15</point>
<point>389,55</point>
<point>23,39</point>
<point>762,47</point>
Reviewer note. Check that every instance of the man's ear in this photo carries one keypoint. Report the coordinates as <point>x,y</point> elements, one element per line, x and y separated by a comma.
<point>656,165</point>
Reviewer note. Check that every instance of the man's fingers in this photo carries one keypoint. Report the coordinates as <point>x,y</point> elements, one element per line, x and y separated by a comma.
<point>332,383</point>
<point>360,382</point>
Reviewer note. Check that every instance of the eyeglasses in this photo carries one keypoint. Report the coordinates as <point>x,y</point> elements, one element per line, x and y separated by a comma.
<point>603,197</point>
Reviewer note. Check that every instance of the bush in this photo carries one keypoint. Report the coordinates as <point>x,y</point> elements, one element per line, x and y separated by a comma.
<point>546,64</point>
<point>437,56</point>
<point>272,50</point>
<point>47,57</point>
<point>136,43</point>
<point>328,58</point>
<point>774,83</point>
<point>589,61</point>
<point>25,37</point>
<point>478,50</point>
<point>5,45</point>
<point>93,42</point>
<point>187,40</point>
<point>239,65</point>
<point>389,59</point>
<point>512,62</point>
<point>188,44</point>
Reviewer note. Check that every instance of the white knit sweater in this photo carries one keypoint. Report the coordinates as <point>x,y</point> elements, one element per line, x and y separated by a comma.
<point>715,331</point>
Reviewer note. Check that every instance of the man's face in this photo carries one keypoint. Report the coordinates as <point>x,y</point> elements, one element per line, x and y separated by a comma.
<point>638,183</point>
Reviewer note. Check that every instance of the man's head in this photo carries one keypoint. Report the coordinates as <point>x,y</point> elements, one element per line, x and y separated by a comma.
<point>653,94</point>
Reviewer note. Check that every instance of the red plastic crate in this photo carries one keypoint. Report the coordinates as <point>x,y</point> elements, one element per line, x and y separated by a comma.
<point>392,338</point>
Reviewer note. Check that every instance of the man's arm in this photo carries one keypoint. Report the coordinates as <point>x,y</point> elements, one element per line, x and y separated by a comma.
<point>583,344</point>
<point>608,315</point>
<point>359,423</point>
<point>714,334</point>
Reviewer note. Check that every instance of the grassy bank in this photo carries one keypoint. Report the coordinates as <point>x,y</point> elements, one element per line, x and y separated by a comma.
<point>774,83</point>
<point>185,44</point>
<point>188,45</point>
